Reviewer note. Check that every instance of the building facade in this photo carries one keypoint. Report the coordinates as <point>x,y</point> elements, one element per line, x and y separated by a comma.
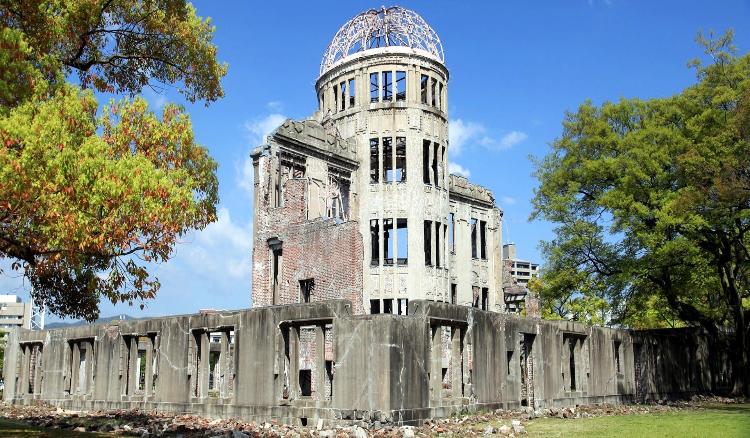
<point>377,284</point>
<point>365,182</point>
<point>14,312</point>
<point>521,270</point>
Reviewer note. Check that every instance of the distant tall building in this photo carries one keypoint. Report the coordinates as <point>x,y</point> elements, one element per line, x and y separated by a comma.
<point>521,270</point>
<point>14,312</point>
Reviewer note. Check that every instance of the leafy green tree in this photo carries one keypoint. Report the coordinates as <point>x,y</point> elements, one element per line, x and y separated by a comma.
<point>651,201</point>
<point>90,195</point>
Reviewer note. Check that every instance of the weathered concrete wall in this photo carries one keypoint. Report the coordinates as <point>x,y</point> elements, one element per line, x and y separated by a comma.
<point>303,362</point>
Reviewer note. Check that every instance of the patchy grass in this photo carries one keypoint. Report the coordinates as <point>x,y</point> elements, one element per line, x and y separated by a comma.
<point>725,420</point>
<point>16,429</point>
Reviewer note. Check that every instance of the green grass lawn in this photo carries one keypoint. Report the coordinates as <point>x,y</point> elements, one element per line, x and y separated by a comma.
<point>15,429</point>
<point>712,421</point>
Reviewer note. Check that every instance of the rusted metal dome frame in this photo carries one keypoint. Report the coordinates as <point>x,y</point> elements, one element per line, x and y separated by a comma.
<point>385,27</point>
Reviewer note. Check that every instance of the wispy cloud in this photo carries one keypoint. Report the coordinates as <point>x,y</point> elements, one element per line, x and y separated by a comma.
<point>256,131</point>
<point>509,200</point>
<point>462,134</point>
<point>222,250</point>
<point>458,169</point>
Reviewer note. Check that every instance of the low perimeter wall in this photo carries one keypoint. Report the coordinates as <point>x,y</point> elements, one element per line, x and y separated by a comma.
<point>301,363</point>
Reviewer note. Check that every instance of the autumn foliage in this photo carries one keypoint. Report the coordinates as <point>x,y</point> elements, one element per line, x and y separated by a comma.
<point>91,195</point>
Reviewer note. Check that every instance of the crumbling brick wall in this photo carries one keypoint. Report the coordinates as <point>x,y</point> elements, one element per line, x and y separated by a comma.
<point>327,251</point>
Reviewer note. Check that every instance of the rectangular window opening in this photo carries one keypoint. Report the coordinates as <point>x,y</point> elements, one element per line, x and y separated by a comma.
<point>438,262</point>
<point>387,86</point>
<point>403,241</point>
<point>276,254</point>
<point>388,305</point>
<point>454,293</point>
<point>400,85</point>
<point>485,298</point>
<point>483,239</point>
<point>305,383</point>
<point>388,242</point>
<point>306,288</point>
<point>428,243</point>
<point>473,223</point>
<point>352,93</point>
<point>388,173</point>
<point>374,307</point>
<point>423,88</point>
<point>433,90</point>
<point>335,98</point>
<point>374,160</point>
<point>400,159</point>
<point>435,177</point>
<point>374,243</point>
<point>343,96</point>
<point>452,232</point>
<point>403,306</point>
<point>440,93</point>
<point>426,161</point>
<point>374,88</point>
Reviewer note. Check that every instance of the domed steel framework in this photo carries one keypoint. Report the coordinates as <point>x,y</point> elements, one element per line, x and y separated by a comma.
<point>393,26</point>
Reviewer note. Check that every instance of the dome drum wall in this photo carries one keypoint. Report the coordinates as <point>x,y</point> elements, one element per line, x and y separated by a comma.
<point>394,103</point>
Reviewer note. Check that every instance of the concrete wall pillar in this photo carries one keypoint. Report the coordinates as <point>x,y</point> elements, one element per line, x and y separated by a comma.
<point>456,362</point>
<point>436,364</point>
<point>320,364</point>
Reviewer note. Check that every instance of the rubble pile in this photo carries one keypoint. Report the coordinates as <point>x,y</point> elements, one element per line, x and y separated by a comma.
<point>156,424</point>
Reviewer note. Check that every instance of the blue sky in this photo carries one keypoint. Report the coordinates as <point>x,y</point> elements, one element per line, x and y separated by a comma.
<point>515,67</point>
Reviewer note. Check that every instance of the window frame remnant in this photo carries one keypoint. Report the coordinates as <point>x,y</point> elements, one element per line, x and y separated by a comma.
<point>426,162</point>
<point>473,222</point>
<point>400,165</point>
<point>400,85</point>
<point>427,243</point>
<point>335,98</point>
<point>389,244</point>
<point>337,199</point>
<point>452,231</point>
<point>388,305</point>
<point>423,84</point>
<point>306,290</point>
<point>374,242</point>
<point>342,88</point>
<point>374,160</point>
<point>275,247</point>
<point>402,237</point>
<point>454,293</point>
<point>433,90</point>
<point>403,306</point>
<point>374,87</point>
<point>485,298</point>
<point>352,92</point>
<point>438,258</point>
<point>374,306</point>
<point>389,173</point>
<point>387,87</point>
<point>483,239</point>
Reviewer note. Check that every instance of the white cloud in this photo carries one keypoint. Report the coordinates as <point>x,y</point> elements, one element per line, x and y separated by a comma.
<point>511,139</point>
<point>222,250</point>
<point>256,131</point>
<point>462,133</point>
<point>275,106</point>
<point>458,169</point>
<point>509,200</point>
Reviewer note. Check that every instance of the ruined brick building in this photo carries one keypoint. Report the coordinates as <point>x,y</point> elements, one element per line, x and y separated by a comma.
<point>377,284</point>
<point>356,202</point>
